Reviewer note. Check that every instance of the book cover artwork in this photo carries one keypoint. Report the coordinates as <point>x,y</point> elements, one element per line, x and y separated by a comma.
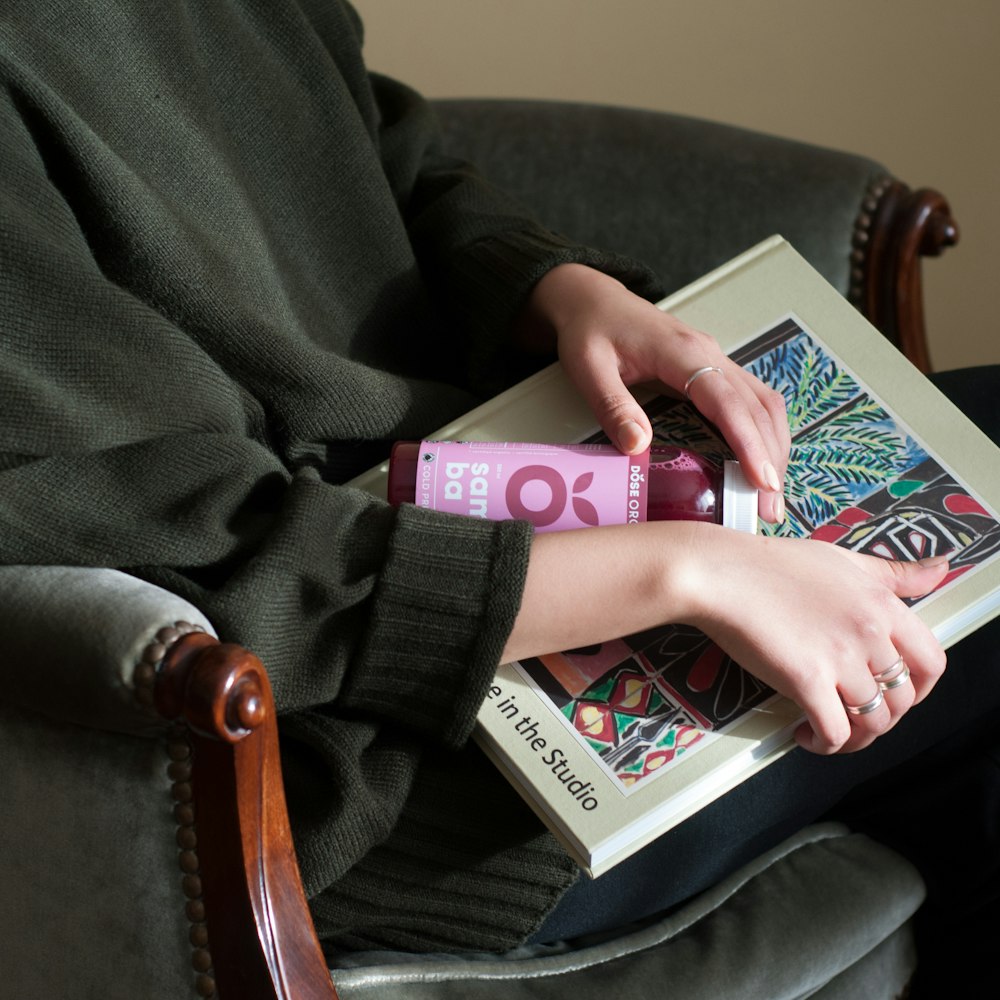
<point>856,478</point>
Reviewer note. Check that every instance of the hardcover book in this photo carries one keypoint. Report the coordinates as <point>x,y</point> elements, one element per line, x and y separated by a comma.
<point>614,744</point>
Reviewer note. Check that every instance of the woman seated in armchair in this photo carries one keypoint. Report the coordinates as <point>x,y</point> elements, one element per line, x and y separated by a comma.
<point>234,267</point>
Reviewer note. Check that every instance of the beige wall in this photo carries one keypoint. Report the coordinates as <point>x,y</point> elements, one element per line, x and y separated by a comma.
<point>914,84</point>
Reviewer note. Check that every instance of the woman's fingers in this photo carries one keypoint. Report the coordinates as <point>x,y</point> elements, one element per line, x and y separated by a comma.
<point>835,648</point>
<point>749,415</point>
<point>848,713</point>
<point>906,665</point>
<point>896,684</point>
<point>752,419</point>
<point>596,374</point>
<point>923,658</point>
<point>827,728</point>
<point>609,339</point>
<point>911,637</point>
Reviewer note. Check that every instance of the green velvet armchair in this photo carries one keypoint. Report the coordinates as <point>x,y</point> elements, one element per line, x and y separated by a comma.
<point>145,849</point>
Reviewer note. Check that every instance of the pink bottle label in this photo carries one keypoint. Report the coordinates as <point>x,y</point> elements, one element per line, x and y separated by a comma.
<point>555,486</point>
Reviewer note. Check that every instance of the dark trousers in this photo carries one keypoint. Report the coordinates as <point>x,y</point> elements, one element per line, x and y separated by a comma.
<point>930,788</point>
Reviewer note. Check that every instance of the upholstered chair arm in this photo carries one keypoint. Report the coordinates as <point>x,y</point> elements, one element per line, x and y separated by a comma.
<point>119,659</point>
<point>81,644</point>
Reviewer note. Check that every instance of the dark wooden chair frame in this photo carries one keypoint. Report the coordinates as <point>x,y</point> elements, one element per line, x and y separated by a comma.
<point>896,228</point>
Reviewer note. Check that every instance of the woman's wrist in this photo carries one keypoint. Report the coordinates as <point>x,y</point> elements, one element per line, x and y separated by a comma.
<point>597,584</point>
<point>559,292</point>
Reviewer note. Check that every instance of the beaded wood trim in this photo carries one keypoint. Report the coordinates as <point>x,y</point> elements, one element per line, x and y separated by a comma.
<point>178,749</point>
<point>861,237</point>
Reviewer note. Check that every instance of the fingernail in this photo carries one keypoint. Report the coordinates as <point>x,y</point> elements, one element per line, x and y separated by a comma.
<point>779,509</point>
<point>771,478</point>
<point>630,436</point>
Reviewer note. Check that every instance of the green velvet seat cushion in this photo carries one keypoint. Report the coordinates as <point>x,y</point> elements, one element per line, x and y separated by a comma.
<point>825,913</point>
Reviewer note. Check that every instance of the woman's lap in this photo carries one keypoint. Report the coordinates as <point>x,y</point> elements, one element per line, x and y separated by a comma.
<point>907,789</point>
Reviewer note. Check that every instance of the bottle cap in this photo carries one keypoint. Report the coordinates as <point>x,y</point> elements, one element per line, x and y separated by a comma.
<point>402,483</point>
<point>739,499</point>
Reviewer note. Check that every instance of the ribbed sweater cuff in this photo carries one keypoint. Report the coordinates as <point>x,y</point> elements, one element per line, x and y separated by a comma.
<point>493,278</point>
<point>443,608</point>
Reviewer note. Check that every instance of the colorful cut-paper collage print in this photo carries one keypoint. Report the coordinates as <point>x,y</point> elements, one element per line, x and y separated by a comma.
<point>920,514</point>
<point>642,702</point>
<point>855,478</point>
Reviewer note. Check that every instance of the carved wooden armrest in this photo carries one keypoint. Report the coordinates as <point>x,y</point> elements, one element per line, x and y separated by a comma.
<point>896,228</point>
<point>252,933</point>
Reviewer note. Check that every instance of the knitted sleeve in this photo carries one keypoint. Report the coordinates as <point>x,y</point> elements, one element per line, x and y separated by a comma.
<point>481,251</point>
<point>124,442</point>
<point>205,290</point>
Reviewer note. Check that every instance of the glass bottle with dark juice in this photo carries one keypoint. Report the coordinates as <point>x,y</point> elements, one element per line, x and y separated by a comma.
<point>557,487</point>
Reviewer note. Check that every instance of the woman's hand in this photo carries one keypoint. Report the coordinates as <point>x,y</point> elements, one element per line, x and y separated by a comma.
<point>609,339</point>
<point>818,623</point>
<point>812,620</point>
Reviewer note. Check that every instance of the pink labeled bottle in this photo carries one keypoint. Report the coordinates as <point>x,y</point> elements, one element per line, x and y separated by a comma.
<point>562,486</point>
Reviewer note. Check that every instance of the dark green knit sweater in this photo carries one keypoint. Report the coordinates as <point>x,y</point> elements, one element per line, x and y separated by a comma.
<point>233,266</point>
